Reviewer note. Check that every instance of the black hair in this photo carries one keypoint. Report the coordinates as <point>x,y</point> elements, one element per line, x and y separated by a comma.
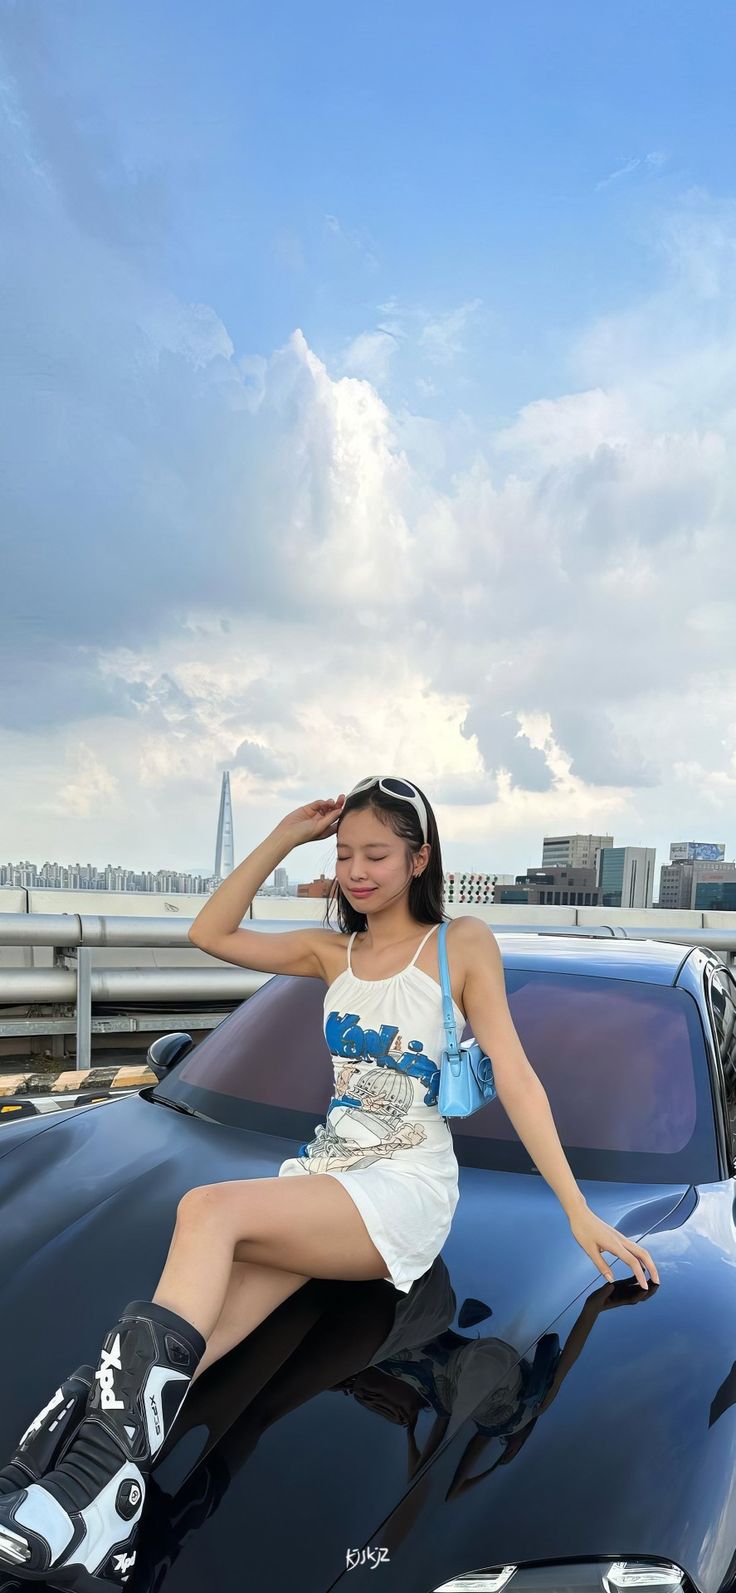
<point>426,891</point>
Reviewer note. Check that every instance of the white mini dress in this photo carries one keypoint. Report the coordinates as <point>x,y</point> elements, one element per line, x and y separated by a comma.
<point>384,1138</point>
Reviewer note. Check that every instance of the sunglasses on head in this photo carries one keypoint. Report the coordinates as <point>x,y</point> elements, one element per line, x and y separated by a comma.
<point>395,788</point>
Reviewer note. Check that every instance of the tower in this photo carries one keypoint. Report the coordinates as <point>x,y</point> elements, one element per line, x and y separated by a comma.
<point>224,859</point>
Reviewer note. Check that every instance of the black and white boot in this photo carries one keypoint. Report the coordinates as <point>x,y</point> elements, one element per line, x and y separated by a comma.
<point>77,1526</point>
<point>44,1441</point>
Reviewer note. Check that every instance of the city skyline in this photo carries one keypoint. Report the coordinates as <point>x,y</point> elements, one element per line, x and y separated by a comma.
<point>695,873</point>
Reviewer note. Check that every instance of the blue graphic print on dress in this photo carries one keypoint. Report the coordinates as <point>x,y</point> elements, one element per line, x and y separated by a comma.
<point>347,1038</point>
<point>371,1117</point>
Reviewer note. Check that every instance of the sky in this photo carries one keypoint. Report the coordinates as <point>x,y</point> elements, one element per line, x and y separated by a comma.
<point>368,404</point>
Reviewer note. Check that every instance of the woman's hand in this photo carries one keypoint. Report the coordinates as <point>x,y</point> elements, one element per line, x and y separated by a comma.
<point>594,1236</point>
<point>312,822</point>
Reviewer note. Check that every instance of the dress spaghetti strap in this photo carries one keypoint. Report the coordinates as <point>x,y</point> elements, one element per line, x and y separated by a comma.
<point>401,970</point>
<point>422,943</point>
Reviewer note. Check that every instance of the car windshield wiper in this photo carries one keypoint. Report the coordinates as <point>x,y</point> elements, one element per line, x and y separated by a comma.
<point>176,1106</point>
<point>147,1094</point>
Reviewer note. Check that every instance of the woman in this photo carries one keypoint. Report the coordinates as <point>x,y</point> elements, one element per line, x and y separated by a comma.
<point>375,1190</point>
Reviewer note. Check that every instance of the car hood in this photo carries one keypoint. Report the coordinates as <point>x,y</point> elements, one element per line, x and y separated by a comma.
<point>614,1436</point>
<point>344,1410</point>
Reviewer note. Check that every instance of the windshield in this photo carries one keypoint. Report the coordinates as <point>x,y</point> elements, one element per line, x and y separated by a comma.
<point>623,1063</point>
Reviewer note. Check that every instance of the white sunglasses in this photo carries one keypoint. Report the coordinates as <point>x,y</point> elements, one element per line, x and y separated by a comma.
<point>395,788</point>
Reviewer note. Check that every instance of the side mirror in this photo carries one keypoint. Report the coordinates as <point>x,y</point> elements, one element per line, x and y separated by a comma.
<point>166,1050</point>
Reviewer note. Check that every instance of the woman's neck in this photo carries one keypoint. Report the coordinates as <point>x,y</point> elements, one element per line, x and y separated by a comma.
<point>385,929</point>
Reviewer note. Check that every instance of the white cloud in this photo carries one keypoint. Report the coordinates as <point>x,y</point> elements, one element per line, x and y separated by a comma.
<point>549,431</point>
<point>442,338</point>
<point>91,787</point>
<point>224,559</point>
<point>370,354</point>
<point>655,159</point>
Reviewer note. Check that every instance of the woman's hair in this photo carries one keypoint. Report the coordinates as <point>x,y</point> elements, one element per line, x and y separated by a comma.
<point>426,892</point>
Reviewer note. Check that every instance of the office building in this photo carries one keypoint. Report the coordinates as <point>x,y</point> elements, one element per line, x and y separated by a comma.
<point>626,876</point>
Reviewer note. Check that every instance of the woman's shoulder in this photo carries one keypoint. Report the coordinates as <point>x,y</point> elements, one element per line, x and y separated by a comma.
<point>465,930</point>
<point>467,941</point>
<point>470,927</point>
<point>470,936</point>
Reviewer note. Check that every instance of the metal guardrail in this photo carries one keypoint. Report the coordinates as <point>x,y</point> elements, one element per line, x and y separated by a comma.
<point>73,982</point>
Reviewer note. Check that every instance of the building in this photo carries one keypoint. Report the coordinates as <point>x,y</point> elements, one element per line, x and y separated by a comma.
<point>692,864</point>
<point>316,887</point>
<point>224,843</point>
<point>553,887</point>
<point>679,883</point>
<point>474,888</point>
<point>626,876</point>
<point>716,898</point>
<point>573,851</point>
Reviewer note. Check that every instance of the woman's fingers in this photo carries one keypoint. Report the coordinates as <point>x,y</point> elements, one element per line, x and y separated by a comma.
<point>647,1260</point>
<point>637,1258</point>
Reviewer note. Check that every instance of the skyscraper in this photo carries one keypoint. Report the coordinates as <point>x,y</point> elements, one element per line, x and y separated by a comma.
<point>224,858</point>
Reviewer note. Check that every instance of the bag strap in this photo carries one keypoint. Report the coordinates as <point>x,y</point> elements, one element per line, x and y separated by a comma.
<point>448,1016</point>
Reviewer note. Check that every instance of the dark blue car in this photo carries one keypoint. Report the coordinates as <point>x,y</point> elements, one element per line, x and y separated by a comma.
<point>515,1420</point>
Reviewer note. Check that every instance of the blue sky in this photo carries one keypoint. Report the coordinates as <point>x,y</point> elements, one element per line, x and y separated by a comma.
<point>520,153</point>
<point>431,304</point>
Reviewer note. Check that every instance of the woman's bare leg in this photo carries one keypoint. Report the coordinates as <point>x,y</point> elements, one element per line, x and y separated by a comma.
<point>197,1269</point>
<point>314,1231</point>
<point>253,1292</point>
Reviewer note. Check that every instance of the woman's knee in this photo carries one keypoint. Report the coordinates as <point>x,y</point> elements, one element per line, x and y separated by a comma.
<point>199,1204</point>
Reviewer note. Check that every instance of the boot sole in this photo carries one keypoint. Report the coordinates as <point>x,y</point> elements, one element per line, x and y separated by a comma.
<point>14,1550</point>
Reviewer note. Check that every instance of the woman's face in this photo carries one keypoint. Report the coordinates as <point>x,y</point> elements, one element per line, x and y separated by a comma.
<point>370,857</point>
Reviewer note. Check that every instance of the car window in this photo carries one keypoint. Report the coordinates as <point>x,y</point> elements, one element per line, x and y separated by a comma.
<point>723,1007</point>
<point>623,1062</point>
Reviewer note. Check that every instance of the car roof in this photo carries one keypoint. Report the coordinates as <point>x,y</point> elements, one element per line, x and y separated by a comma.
<point>653,961</point>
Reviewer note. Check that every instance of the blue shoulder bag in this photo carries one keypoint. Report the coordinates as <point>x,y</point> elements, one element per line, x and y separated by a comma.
<point>466,1074</point>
